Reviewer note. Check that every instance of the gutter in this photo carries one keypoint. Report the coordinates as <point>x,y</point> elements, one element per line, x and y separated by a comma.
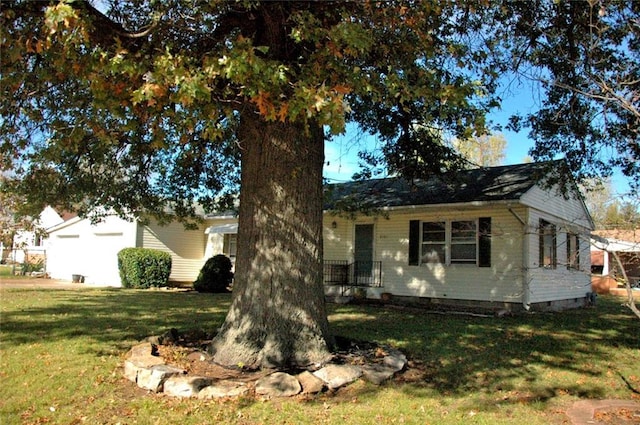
<point>448,205</point>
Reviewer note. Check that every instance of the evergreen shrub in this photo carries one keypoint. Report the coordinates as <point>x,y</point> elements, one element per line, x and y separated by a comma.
<point>144,267</point>
<point>215,275</point>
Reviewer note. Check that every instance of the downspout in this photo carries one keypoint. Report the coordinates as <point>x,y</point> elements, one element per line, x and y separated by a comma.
<point>525,258</point>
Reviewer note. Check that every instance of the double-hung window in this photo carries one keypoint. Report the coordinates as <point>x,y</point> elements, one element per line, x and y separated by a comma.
<point>450,242</point>
<point>464,242</point>
<point>573,252</point>
<point>230,244</point>
<point>434,240</point>
<point>547,245</point>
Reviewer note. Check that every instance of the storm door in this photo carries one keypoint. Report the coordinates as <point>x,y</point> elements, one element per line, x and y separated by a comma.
<point>363,255</point>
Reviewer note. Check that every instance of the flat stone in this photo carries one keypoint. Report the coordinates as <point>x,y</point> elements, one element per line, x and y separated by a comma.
<point>143,355</point>
<point>131,371</point>
<point>377,373</point>
<point>185,386</point>
<point>336,376</point>
<point>153,378</point>
<point>224,388</point>
<point>396,360</point>
<point>278,384</point>
<point>310,383</point>
<point>140,358</point>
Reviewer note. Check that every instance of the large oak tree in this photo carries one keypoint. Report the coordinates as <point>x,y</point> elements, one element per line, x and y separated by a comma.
<point>146,109</point>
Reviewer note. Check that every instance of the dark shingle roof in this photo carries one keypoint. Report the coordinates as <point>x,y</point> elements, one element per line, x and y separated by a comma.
<point>507,182</point>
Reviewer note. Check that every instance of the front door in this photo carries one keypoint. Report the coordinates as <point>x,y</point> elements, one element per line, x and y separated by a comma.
<point>363,254</point>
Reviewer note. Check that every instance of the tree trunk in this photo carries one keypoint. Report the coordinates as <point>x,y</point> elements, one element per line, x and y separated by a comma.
<point>278,315</point>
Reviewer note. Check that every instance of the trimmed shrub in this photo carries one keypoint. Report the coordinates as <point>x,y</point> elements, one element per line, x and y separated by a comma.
<point>215,275</point>
<point>144,267</point>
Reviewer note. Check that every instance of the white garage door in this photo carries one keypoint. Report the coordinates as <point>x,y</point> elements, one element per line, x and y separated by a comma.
<point>104,259</point>
<point>63,256</point>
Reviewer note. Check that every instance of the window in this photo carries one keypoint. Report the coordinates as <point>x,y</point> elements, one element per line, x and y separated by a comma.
<point>450,242</point>
<point>230,244</point>
<point>573,252</point>
<point>433,242</point>
<point>548,255</point>
<point>463,242</point>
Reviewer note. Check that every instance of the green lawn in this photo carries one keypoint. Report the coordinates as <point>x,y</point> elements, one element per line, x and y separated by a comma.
<point>62,352</point>
<point>6,271</point>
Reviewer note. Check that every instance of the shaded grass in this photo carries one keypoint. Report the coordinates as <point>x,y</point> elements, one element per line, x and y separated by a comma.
<point>62,352</point>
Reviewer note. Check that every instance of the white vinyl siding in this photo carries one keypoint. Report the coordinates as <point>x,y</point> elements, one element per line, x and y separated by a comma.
<point>187,248</point>
<point>338,237</point>
<point>502,281</point>
<point>560,283</point>
<point>555,205</point>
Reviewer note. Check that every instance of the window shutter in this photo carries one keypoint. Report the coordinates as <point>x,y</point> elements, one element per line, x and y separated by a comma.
<point>414,242</point>
<point>554,260</point>
<point>541,225</point>
<point>484,241</point>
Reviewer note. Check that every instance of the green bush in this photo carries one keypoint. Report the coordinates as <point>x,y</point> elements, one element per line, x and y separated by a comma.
<point>215,275</point>
<point>144,267</point>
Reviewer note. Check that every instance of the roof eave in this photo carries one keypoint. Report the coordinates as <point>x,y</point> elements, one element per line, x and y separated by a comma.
<point>474,204</point>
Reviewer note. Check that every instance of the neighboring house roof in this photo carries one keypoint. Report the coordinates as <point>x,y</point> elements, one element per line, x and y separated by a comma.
<point>64,224</point>
<point>509,182</point>
<point>617,240</point>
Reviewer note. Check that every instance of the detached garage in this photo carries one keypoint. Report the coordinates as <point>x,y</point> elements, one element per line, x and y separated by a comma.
<point>77,247</point>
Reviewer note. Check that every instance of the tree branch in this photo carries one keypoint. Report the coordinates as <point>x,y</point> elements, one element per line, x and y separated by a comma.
<point>630,301</point>
<point>612,96</point>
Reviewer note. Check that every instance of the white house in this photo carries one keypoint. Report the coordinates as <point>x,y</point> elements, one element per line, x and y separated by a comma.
<point>491,237</point>
<point>29,244</point>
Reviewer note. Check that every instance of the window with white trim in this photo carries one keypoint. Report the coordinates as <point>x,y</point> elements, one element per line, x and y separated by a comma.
<point>450,242</point>
<point>230,245</point>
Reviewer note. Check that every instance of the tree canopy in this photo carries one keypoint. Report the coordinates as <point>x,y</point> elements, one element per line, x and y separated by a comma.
<point>146,95</point>
<point>586,58</point>
<point>483,151</point>
<point>136,108</point>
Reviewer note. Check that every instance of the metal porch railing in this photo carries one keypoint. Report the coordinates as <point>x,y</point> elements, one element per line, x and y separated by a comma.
<point>349,275</point>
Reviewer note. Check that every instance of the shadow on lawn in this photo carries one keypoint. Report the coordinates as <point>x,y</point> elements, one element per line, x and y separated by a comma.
<point>111,316</point>
<point>526,358</point>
